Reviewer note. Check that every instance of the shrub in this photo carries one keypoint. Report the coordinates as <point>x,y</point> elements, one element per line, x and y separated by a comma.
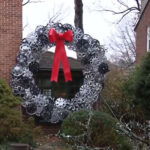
<point>117,96</point>
<point>138,86</point>
<point>101,133</point>
<point>113,93</point>
<point>125,95</point>
<point>7,99</point>
<point>12,127</point>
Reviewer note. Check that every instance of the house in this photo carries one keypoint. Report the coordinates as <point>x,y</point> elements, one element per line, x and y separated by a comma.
<point>60,89</point>
<point>10,35</point>
<point>142,30</point>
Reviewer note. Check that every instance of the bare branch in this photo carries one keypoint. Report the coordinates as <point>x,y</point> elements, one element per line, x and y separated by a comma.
<point>123,127</point>
<point>120,12</point>
<point>25,26</point>
<point>122,3</point>
<point>123,46</point>
<point>29,1</point>
<point>126,9</point>
<point>138,4</point>
<point>57,16</point>
<point>23,4</point>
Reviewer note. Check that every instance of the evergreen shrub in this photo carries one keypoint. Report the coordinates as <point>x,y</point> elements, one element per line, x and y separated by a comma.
<point>138,87</point>
<point>102,131</point>
<point>12,126</point>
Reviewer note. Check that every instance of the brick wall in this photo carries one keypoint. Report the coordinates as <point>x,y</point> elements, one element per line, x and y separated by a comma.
<point>141,34</point>
<point>10,34</point>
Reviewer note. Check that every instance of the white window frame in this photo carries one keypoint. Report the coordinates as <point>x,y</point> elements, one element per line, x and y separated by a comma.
<point>148,39</point>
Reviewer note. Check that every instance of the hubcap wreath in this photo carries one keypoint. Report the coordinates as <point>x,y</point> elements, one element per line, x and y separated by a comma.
<point>89,52</point>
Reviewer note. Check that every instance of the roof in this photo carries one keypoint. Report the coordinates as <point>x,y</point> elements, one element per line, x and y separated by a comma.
<point>47,59</point>
<point>146,5</point>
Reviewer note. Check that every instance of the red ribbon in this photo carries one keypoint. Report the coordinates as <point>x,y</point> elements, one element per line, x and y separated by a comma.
<point>60,54</point>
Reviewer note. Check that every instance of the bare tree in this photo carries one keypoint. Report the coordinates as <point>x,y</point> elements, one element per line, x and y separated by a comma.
<point>123,46</point>
<point>123,43</point>
<point>78,20</point>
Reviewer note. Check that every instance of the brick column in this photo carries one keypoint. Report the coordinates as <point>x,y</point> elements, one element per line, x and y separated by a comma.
<point>10,35</point>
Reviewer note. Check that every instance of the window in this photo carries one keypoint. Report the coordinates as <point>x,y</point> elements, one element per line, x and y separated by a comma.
<point>148,39</point>
<point>61,88</point>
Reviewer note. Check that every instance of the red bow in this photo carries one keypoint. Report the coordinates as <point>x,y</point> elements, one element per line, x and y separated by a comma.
<point>60,53</point>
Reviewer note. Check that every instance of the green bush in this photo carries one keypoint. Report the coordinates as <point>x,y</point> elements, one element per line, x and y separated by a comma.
<point>114,93</point>
<point>138,86</point>
<point>7,99</point>
<point>101,133</point>
<point>12,127</point>
<point>119,96</point>
<point>4,146</point>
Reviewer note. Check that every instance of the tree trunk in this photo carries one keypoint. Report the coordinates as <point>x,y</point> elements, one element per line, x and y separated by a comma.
<point>78,20</point>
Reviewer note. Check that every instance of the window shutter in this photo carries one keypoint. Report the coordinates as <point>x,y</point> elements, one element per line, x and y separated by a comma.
<point>148,39</point>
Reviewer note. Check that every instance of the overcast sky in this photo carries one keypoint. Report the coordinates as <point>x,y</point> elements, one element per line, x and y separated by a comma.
<point>100,25</point>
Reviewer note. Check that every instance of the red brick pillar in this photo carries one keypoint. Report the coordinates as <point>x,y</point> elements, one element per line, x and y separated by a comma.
<point>10,35</point>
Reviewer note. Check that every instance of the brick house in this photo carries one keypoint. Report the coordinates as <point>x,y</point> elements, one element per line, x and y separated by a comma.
<point>142,30</point>
<point>10,34</point>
